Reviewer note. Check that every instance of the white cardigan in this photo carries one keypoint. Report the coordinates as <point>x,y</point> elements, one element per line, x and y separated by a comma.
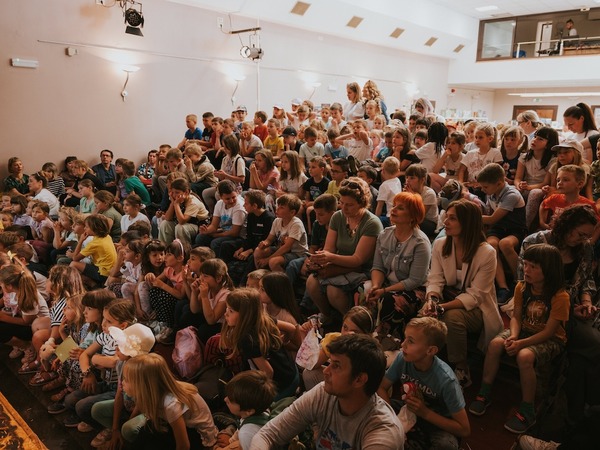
<point>479,291</point>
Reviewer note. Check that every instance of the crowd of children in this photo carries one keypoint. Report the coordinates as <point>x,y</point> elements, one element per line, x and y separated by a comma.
<point>248,203</point>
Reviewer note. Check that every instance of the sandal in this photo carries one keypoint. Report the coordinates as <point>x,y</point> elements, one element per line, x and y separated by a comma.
<point>42,377</point>
<point>54,384</point>
<point>31,367</point>
<point>58,397</point>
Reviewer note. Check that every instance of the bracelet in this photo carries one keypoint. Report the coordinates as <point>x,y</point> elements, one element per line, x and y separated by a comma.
<point>86,372</point>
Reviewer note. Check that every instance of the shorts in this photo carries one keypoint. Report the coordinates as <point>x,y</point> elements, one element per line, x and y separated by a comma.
<point>544,352</point>
<point>92,271</point>
<point>287,257</point>
<point>503,232</point>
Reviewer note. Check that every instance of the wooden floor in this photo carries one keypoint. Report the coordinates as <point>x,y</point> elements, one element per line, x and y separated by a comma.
<point>487,432</point>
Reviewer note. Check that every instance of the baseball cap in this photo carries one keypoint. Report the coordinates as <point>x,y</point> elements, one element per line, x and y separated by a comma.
<point>569,143</point>
<point>278,106</point>
<point>296,101</point>
<point>134,340</point>
<point>241,108</point>
<point>289,131</point>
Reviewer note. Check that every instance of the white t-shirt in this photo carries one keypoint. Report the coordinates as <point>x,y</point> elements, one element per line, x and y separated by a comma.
<point>475,161</point>
<point>294,229</point>
<point>534,172</point>
<point>127,220</point>
<point>236,215</point>
<point>358,149</point>
<point>293,186</point>
<point>202,421</point>
<point>50,199</point>
<point>354,111</point>
<point>430,202</point>
<point>387,192</point>
<point>309,153</point>
<point>40,309</point>
<point>428,156</point>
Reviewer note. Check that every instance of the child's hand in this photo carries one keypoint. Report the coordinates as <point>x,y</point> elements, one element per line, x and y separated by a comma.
<point>150,277</point>
<point>204,289</point>
<point>415,404</point>
<point>75,352</point>
<point>263,244</point>
<point>513,346</point>
<point>584,312</point>
<point>140,313</point>
<point>523,186</point>
<point>89,384</point>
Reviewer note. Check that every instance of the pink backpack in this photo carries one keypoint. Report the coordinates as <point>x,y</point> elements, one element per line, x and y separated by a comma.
<point>187,354</point>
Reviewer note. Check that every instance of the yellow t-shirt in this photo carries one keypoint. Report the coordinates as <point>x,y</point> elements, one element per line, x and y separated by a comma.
<point>333,189</point>
<point>274,144</point>
<point>103,253</point>
<point>535,313</point>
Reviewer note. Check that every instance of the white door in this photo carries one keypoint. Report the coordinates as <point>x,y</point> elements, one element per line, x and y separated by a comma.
<point>544,37</point>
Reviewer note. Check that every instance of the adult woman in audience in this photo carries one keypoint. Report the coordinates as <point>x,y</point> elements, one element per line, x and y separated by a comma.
<point>401,264</point>
<point>16,182</point>
<point>354,108</point>
<point>66,174</point>
<point>571,232</point>
<point>529,121</point>
<point>424,107</point>
<point>579,119</point>
<point>37,187</point>
<point>80,171</point>
<point>371,92</point>
<point>460,289</point>
<point>347,255</point>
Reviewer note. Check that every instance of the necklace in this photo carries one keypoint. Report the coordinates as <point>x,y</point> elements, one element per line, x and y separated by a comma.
<point>352,231</point>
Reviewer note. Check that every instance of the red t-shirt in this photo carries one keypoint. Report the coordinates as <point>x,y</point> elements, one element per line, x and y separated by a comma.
<point>557,202</point>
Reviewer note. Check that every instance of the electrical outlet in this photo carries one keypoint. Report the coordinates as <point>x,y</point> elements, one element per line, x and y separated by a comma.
<point>101,2</point>
<point>219,22</point>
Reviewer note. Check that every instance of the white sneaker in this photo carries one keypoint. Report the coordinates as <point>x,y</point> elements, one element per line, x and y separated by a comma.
<point>531,443</point>
<point>84,427</point>
<point>464,377</point>
<point>101,438</point>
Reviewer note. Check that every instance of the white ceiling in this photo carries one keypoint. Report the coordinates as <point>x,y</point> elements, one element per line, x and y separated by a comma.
<point>514,7</point>
<point>452,22</point>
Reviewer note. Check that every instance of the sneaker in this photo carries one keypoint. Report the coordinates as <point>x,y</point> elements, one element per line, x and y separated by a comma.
<point>166,336</point>
<point>464,377</point>
<point>101,438</point>
<point>518,423</point>
<point>15,353</point>
<point>72,421</point>
<point>56,408</point>
<point>531,443</point>
<point>479,406</point>
<point>29,356</point>
<point>503,295</point>
<point>84,427</point>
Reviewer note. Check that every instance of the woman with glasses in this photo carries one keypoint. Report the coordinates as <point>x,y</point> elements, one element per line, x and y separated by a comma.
<point>571,233</point>
<point>400,265</point>
<point>460,285</point>
<point>529,121</point>
<point>347,255</point>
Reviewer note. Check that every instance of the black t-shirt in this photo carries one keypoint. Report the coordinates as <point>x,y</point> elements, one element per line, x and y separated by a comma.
<point>593,143</point>
<point>315,189</point>
<point>284,369</point>
<point>258,228</point>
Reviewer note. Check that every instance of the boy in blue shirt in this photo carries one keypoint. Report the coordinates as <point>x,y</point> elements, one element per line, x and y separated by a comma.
<point>193,132</point>
<point>439,403</point>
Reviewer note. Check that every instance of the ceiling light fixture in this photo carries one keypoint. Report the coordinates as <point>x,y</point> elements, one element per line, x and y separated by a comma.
<point>555,94</point>
<point>486,8</point>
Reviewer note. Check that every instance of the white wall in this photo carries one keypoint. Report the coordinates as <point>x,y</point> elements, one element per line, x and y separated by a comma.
<point>72,105</point>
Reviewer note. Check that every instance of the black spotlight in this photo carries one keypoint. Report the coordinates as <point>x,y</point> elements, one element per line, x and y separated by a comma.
<point>134,20</point>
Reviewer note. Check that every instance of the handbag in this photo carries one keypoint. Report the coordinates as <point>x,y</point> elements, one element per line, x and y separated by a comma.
<point>333,270</point>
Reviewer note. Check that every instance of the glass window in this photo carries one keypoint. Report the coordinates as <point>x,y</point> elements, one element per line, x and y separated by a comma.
<point>498,39</point>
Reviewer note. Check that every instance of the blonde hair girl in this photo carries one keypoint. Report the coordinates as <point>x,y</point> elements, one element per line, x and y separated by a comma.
<point>163,399</point>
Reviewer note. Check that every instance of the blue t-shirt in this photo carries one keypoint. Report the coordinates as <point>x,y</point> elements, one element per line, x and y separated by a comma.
<point>196,134</point>
<point>440,388</point>
<point>383,153</point>
<point>340,152</point>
